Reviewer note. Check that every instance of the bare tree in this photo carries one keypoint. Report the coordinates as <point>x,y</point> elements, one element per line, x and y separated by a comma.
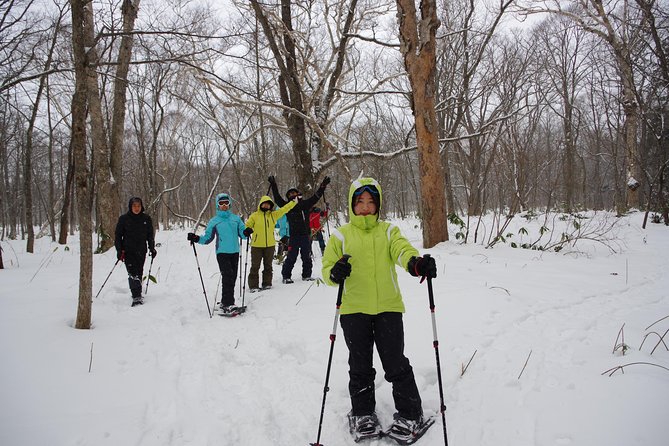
<point>81,42</point>
<point>281,41</point>
<point>611,24</point>
<point>565,68</point>
<point>108,150</point>
<point>418,45</point>
<point>28,168</point>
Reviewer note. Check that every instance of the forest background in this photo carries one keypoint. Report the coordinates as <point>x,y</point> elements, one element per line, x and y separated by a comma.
<point>458,109</point>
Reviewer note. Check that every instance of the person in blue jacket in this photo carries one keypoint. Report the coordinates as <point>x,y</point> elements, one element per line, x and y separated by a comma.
<point>227,228</point>
<point>284,236</point>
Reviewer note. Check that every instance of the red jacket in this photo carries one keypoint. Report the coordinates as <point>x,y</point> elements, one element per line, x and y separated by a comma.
<point>315,220</point>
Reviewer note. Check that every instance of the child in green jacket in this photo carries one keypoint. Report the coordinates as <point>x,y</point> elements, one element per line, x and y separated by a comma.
<point>371,311</point>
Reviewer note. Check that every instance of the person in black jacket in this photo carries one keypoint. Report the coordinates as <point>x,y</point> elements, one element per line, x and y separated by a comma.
<point>300,232</point>
<point>134,232</point>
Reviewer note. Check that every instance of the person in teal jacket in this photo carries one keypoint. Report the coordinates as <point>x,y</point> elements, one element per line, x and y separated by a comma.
<point>284,237</point>
<point>371,310</point>
<point>227,228</point>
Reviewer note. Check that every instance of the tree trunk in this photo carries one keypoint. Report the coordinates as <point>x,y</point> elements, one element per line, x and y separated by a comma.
<point>82,174</point>
<point>417,45</point>
<point>67,195</point>
<point>52,181</point>
<point>290,91</point>
<point>108,155</point>
<point>129,11</point>
<point>101,151</point>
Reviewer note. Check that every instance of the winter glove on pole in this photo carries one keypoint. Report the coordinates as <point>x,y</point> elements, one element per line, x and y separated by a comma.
<point>152,253</point>
<point>193,238</point>
<point>340,270</point>
<point>120,256</point>
<point>422,267</point>
<point>119,259</point>
<point>333,336</point>
<point>435,344</point>
<point>247,232</point>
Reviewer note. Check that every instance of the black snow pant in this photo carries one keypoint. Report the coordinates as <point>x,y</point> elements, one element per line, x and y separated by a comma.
<point>386,330</point>
<point>298,244</point>
<point>227,264</point>
<point>134,263</point>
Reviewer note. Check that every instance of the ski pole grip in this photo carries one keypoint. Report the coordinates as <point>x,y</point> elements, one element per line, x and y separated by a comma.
<point>340,292</point>
<point>430,292</point>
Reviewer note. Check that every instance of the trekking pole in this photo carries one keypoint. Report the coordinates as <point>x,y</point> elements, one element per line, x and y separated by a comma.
<point>327,217</point>
<point>148,278</point>
<point>435,343</point>
<point>333,336</point>
<point>240,270</point>
<point>246,264</point>
<point>201,280</point>
<point>108,276</point>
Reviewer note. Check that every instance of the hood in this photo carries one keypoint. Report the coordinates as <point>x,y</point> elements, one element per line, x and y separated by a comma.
<point>367,221</point>
<point>222,196</point>
<point>264,199</point>
<point>133,200</point>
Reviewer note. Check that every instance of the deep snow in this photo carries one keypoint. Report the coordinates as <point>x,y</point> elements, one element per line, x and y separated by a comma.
<point>167,374</point>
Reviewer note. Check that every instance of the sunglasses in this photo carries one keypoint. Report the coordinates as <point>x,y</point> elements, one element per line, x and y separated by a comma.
<point>371,189</point>
<point>224,202</point>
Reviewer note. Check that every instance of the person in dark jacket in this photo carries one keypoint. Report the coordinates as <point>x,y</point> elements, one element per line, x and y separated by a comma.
<point>133,235</point>
<point>300,233</point>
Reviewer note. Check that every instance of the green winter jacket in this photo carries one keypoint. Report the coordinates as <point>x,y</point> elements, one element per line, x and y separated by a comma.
<point>263,223</point>
<point>375,248</point>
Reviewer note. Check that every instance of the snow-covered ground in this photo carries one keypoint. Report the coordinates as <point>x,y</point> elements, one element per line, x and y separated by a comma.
<point>543,326</point>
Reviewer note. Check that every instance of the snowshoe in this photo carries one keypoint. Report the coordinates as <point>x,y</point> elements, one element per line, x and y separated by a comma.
<point>364,427</point>
<point>405,431</point>
<point>308,279</point>
<point>287,280</point>
<point>254,290</point>
<point>229,311</point>
<point>137,301</point>
<point>266,287</point>
<point>232,311</point>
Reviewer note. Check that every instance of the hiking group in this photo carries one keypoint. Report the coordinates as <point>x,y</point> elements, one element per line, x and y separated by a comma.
<point>362,254</point>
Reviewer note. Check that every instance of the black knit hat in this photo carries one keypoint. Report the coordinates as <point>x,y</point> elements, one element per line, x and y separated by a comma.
<point>292,189</point>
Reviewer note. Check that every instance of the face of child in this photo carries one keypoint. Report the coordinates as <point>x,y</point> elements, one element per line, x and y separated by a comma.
<point>364,204</point>
<point>265,206</point>
<point>224,205</point>
<point>136,207</point>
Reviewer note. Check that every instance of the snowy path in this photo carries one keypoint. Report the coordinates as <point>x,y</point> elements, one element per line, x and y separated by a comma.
<point>167,374</point>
